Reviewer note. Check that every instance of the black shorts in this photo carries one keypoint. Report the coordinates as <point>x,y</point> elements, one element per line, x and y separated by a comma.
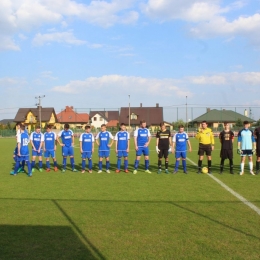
<point>226,154</point>
<point>246,152</point>
<point>163,153</point>
<point>204,148</point>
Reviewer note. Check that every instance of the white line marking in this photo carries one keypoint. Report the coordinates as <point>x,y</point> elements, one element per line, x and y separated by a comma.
<point>238,196</point>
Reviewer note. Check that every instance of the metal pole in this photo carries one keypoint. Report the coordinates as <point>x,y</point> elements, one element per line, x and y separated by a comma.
<point>129,114</point>
<point>40,109</point>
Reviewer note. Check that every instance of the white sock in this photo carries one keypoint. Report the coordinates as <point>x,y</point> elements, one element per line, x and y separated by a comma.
<point>242,167</point>
<point>250,166</point>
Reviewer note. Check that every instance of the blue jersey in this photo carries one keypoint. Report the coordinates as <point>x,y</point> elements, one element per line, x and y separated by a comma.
<point>142,135</point>
<point>122,138</point>
<point>24,140</point>
<point>66,137</point>
<point>246,138</point>
<point>87,140</point>
<point>36,138</point>
<point>104,139</point>
<point>180,140</point>
<point>49,141</point>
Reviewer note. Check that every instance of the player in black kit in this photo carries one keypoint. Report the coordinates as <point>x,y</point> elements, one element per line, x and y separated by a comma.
<point>226,138</point>
<point>163,142</point>
<point>257,138</point>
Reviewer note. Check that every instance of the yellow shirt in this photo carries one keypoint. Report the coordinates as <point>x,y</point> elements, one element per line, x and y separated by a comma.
<point>205,136</point>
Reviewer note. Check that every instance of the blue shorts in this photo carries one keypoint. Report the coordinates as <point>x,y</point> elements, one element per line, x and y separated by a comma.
<point>122,154</point>
<point>85,155</point>
<point>48,154</point>
<point>103,154</point>
<point>142,150</point>
<point>180,155</point>
<point>67,151</point>
<point>35,153</point>
<point>22,158</point>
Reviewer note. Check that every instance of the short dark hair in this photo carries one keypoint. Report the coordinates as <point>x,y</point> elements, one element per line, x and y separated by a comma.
<point>49,126</point>
<point>37,127</point>
<point>246,122</point>
<point>122,124</point>
<point>22,127</point>
<point>181,126</point>
<point>162,123</point>
<point>103,125</point>
<point>87,126</point>
<point>225,123</point>
<point>142,121</point>
<point>66,126</point>
<point>204,121</point>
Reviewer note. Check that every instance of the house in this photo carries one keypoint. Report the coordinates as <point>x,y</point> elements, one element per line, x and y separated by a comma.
<point>215,117</point>
<point>110,118</point>
<point>33,116</point>
<point>71,117</point>
<point>152,115</point>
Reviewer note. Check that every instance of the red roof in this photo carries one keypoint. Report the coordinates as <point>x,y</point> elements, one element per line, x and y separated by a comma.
<point>68,115</point>
<point>112,123</point>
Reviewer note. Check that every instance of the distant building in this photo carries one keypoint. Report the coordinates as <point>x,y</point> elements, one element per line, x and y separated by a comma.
<point>215,117</point>
<point>32,116</point>
<point>110,118</point>
<point>71,117</point>
<point>152,115</point>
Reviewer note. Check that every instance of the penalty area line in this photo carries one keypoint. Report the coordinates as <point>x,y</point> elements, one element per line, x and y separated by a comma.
<point>237,195</point>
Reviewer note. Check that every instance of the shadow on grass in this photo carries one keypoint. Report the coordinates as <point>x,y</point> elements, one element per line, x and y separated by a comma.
<point>41,242</point>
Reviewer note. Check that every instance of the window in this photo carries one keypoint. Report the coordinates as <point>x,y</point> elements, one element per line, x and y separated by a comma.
<point>95,118</point>
<point>133,116</point>
<point>101,119</point>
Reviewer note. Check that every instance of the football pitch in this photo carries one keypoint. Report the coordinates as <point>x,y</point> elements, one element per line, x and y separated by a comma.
<point>72,215</point>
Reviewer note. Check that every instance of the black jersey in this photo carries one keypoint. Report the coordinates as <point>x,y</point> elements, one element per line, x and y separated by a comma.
<point>164,141</point>
<point>226,139</point>
<point>257,137</point>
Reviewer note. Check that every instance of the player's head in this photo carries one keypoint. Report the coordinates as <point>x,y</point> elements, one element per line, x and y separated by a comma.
<point>181,128</point>
<point>66,127</point>
<point>143,123</point>
<point>22,128</point>
<point>48,128</point>
<point>246,124</point>
<point>37,128</point>
<point>103,128</point>
<point>122,126</point>
<point>204,124</point>
<point>87,128</point>
<point>18,125</point>
<point>162,126</point>
<point>226,125</point>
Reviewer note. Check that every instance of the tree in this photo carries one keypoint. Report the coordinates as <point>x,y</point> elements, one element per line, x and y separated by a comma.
<point>239,122</point>
<point>178,123</point>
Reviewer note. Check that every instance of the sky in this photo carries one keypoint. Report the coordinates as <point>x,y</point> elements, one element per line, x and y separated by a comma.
<point>106,54</point>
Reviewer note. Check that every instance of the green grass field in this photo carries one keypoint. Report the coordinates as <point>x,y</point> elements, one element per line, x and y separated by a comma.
<point>125,216</point>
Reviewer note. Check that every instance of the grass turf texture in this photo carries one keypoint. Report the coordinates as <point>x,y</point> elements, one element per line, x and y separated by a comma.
<point>124,216</point>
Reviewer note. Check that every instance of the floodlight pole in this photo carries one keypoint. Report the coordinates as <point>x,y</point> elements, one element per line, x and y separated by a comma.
<point>129,114</point>
<point>40,109</point>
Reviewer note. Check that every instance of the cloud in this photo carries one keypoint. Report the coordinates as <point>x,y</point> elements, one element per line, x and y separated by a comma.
<point>125,84</point>
<point>59,37</point>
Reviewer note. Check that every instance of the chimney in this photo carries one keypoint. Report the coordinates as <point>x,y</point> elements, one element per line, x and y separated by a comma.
<point>157,104</point>
<point>208,109</point>
<point>106,114</point>
<point>141,105</point>
<point>245,113</point>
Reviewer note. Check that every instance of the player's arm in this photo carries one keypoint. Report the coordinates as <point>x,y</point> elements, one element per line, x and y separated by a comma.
<point>254,143</point>
<point>58,139</point>
<point>212,140</point>
<point>128,145</point>
<point>97,139</point>
<point>149,139</point>
<point>31,141</point>
<point>173,143</point>
<point>135,139</point>
<point>112,138</point>
<point>189,145</point>
<point>198,135</point>
<point>72,139</point>
<point>220,137</point>
<point>232,137</point>
<point>55,142</point>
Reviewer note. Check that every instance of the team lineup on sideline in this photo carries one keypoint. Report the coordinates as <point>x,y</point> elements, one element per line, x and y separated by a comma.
<point>45,145</point>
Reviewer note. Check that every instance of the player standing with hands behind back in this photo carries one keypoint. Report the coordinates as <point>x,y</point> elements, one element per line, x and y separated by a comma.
<point>206,145</point>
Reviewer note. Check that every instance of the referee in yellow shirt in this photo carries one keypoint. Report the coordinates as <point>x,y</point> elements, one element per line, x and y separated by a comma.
<point>206,145</point>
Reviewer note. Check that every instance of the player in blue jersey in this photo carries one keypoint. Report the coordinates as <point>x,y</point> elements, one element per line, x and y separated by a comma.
<point>86,142</point>
<point>179,146</point>
<point>36,142</point>
<point>49,147</point>
<point>23,153</point>
<point>142,138</point>
<point>103,141</point>
<point>122,147</point>
<point>67,138</point>
<point>246,146</point>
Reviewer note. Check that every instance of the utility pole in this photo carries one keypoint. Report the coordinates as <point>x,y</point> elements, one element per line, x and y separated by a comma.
<point>40,108</point>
